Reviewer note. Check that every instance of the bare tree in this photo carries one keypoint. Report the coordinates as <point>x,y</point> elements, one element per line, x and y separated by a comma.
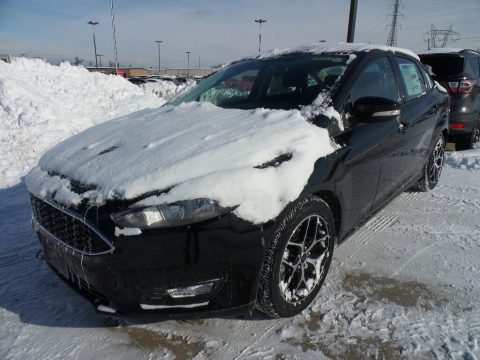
<point>77,61</point>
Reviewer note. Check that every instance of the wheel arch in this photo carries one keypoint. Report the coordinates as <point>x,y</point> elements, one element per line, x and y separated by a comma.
<point>334,204</point>
<point>445,134</point>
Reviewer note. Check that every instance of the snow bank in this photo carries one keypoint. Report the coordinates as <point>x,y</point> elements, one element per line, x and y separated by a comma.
<point>167,89</point>
<point>466,160</point>
<point>193,151</point>
<point>41,104</point>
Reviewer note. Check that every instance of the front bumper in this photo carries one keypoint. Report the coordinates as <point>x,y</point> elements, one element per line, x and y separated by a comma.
<point>135,276</point>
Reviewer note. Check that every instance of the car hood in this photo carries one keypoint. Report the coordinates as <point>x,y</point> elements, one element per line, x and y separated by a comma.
<point>193,151</point>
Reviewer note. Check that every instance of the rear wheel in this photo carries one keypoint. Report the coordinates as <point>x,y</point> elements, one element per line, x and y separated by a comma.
<point>298,258</point>
<point>470,140</point>
<point>433,168</point>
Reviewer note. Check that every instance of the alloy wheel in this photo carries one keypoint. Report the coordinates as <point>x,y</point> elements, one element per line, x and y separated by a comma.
<point>476,133</point>
<point>436,164</point>
<point>305,259</point>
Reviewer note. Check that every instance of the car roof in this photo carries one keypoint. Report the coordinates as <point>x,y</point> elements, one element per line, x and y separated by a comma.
<point>449,51</point>
<point>327,48</point>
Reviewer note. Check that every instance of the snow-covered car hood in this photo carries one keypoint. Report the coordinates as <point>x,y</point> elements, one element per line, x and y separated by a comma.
<point>193,151</point>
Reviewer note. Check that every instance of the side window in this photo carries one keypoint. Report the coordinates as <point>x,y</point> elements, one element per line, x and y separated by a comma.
<point>473,63</point>
<point>377,80</point>
<point>412,79</point>
<point>428,80</point>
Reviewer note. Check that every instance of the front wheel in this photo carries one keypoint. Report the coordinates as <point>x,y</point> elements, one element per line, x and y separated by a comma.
<point>298,258</point>
<point>433,168</point>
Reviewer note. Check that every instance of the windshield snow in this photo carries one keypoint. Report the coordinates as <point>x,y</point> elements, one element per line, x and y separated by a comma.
<point>275,83</point>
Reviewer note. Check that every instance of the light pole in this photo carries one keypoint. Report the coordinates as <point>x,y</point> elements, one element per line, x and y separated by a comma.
<point>199,62</point>
<point>188,62</point>
<point>158,43</point>
<point>93,23</point>
<point>100,59</point>
<point>114,37</point>
<point>351,21</point>
<point>260,22</point>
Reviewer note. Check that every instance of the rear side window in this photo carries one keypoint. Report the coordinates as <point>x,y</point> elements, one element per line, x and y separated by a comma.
<point>474,69</point>
<point>428,79</point>
<point>412,78</point>
<point>445,65</point>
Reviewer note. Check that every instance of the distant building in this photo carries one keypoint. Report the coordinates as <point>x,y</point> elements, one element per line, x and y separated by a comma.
<point>183,72</point>
<point>125,72</point>
<point>134,72</point>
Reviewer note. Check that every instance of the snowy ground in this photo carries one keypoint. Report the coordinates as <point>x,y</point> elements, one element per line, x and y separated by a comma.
<point>405,285</point>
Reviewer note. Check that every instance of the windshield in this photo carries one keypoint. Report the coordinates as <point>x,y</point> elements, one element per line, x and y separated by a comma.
<point>277,83</point>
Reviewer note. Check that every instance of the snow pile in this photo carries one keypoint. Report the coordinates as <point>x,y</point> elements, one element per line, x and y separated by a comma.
<point>167,89</point>
<point>41,104</point>
<point>466,160</point>
<point>193,151</point>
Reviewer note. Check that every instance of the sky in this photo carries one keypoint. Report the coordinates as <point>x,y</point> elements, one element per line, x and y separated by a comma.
<point>215,31</point>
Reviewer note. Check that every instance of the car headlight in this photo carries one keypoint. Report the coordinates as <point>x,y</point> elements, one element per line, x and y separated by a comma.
<point>170,215</point>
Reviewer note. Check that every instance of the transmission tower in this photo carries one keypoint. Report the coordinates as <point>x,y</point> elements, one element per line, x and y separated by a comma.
<point>440,37</point>
<point>394,24</point>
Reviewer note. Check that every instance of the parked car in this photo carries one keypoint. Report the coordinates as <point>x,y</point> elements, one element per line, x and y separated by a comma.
<point>137,80</point>
<point>215,204</point>
<point>458,70</point>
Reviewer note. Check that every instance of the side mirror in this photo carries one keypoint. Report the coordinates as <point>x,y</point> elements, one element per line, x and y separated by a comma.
<point>371,109</point>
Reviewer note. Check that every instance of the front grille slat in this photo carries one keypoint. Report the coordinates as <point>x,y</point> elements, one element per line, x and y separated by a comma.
<point>69,229</point>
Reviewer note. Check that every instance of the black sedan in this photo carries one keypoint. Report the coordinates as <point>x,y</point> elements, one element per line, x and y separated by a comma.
<point>198,256</point>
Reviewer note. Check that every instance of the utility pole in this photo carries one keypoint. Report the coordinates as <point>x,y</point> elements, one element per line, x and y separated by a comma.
<point>199,62</point>
<point>442,36</point>
<point>158,43</point>
<point>394,25</point>
<point>260,22</point>
<point>351,21</point>
<point>188,62</point>
<point>114,37</point>
<point>100,59</point>
<point>93,23</point>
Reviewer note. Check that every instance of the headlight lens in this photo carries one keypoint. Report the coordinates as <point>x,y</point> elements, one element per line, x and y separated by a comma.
<point>170,215</point>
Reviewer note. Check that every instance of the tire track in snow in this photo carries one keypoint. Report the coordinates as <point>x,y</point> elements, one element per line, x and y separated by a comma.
<point>12,261</point>
<point>27,295</point>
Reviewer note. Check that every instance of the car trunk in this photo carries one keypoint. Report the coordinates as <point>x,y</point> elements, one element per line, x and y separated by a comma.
<point>448,70</point>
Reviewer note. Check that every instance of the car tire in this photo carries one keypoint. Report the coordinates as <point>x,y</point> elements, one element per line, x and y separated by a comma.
<point>433,168</point>
<point>297,259</point>
<point>469,141</point>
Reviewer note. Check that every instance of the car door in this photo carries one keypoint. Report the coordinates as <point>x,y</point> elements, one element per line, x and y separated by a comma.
<point>422,109</point>
<point>369,145</point>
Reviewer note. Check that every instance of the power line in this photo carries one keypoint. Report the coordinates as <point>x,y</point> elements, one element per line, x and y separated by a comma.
<point>394,25</point>
<point>440,37</point>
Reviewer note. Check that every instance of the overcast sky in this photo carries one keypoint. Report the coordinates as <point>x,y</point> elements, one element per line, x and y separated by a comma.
<point>216,31</point>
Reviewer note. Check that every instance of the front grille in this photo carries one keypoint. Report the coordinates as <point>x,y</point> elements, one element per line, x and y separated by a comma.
<point>68,229</point>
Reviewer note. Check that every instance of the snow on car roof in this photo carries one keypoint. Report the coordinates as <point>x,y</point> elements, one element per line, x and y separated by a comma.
<point>321,48</point>
<point>440,51</point>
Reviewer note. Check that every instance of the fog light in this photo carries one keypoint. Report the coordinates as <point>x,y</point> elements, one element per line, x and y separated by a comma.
<point>192,291</point>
